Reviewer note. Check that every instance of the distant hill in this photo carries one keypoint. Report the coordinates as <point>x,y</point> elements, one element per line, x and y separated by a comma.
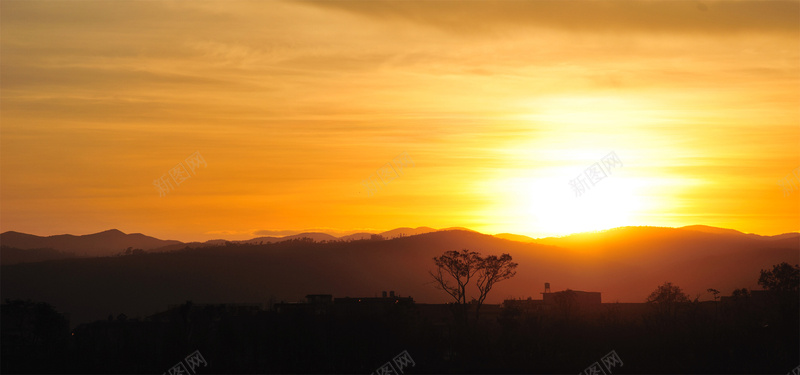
<point>458,228</point>
<point>624,264</point>
<point>708,229</point>
<point>791,236</point>
<point>13,255</point>
<point>514,237</point>
<point>715,230</point>
<point>405,232</point>
<point>356,236</point>
<point>105,243</point>
<point>688,257</point>
<point>317,237</point>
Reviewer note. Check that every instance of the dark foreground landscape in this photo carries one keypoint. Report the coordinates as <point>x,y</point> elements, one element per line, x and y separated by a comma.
<point>755,333</point>
<point>298,306</point>
<point>399,187</point>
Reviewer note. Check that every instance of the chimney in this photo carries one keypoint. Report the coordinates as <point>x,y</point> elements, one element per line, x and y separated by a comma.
<point>391,293</point>
<point>384,294</point>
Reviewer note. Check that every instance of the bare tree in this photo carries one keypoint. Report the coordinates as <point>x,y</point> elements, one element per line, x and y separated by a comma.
<point>714,292</point>
<point>455,269</point>
<point>458,267</point>
<point>491,270</point>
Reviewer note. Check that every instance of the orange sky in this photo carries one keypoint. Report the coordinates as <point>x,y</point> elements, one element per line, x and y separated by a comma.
<point>498,104</point>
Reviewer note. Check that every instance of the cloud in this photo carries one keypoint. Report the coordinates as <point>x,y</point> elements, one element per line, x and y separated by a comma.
<point>227,232</point>
<point>474,17</point>
<point>270,232</point>
<point>297,102</point>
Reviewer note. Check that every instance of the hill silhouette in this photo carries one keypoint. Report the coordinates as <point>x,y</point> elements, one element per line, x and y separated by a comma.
<point>312,235</point>
<point>514,237</point>
<point>624,264</point>
<point>690,258</point>
<point>406,231</point>
<point>12,255</point>
<point>708,229</point>
<point>105,243</point>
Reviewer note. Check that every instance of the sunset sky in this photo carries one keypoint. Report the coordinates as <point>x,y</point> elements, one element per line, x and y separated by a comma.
<point>498,104</point>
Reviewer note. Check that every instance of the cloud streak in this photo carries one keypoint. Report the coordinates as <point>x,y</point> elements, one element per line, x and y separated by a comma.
<point>297,102</point>
<point>611,16</point>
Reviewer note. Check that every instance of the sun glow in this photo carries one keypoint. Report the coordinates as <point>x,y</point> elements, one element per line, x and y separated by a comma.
<point>292,120</point>
<point>547,206</point>
<point>592,112</point>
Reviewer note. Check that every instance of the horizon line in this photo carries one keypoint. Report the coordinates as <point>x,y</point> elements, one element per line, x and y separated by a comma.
<point>352,232</point>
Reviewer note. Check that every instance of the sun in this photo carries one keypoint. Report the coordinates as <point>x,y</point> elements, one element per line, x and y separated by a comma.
<point>558,210</point>
<point>547,206</point>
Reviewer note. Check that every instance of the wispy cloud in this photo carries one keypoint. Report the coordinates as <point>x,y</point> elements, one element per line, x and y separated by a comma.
<point>296,102</point>
<point>476,17</point>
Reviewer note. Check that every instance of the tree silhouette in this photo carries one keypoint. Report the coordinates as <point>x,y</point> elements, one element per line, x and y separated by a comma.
<point>714,292</point>
<point>455,269</point>
<point>783,283</point>
<point>491,270</point>
<point>782,278</point>
<point>716,297</point>
<point>666,299</point>
<point>132,251</point>
<point>740,293</point>
<point>458,266</point>
<point>33,333</point>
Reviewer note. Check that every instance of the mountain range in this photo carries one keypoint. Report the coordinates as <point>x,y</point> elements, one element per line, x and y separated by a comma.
<point>105,243</point>
<point>114,242</point>
<point>624,264</point>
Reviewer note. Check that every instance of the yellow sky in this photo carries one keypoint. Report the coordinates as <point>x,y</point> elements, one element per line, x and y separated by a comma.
<point>499,105</point>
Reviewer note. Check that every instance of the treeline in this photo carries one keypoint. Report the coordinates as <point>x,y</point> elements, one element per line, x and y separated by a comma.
<point>12,255</point>
<point>667,334</point>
